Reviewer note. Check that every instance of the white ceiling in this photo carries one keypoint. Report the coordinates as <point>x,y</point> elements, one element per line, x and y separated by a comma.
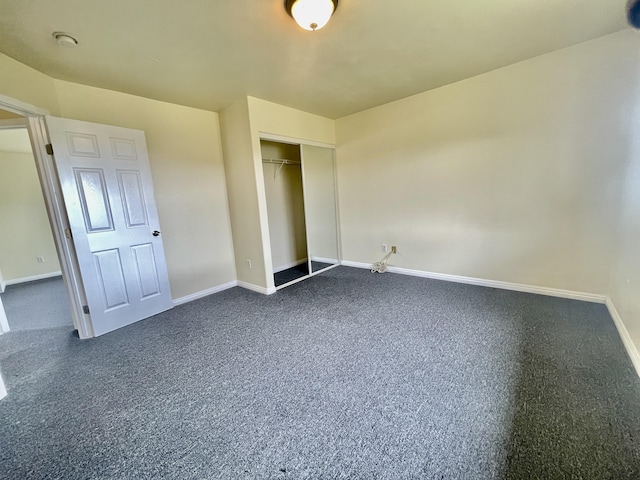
<point>209,53</point>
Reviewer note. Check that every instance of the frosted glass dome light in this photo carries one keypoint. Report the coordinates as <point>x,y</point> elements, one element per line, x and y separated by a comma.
<point>311,14</point>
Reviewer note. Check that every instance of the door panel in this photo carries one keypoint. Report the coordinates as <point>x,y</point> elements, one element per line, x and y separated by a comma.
<point>123,149</point>
<point>111,278</point>
<point>146,267</point>
<point>94,200</point>
<point>132,196</point>
<point>106,184</point>
<point>82,145</point>
<point>320,206</point>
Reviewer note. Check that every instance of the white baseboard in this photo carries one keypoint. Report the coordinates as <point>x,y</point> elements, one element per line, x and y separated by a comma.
<point>325,260</point>
<point>325,269</point>
<point>257,288</point>
<point>289,265</point>
<point>204,293</point>
<point>349,263</point>
<point>518,287</point>
<point>32,278</point>
<point>3,390</point>
<point>4,323</point>
<point>632,351</point>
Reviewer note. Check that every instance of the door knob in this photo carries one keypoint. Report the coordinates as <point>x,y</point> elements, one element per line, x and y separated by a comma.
<point>156,233</point>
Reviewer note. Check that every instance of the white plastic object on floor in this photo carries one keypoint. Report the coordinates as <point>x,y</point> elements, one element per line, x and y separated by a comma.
<point>381,266</point>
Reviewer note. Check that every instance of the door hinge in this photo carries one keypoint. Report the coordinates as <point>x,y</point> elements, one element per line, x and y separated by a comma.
<point>85,309</point>
<point>49,148</point>
<point>67,233</point>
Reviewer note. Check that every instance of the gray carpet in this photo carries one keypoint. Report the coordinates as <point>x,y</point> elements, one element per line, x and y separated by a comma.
<point>38,304</point>
<point>347,375</point>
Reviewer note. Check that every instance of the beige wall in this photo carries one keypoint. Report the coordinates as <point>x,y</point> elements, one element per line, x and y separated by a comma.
<point>186,162</point>
<point>242,125</point>
<point>270,118</point>
<point>243,199</point>
<point>285,205</point>
<point>624,288</point>
<point>513,175</point>
<point>188,177</point>
<point>27,85</point>
<point>25,233</point>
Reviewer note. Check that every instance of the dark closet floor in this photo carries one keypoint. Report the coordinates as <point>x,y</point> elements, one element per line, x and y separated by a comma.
<point>299,271</point>
<point>291,274</point>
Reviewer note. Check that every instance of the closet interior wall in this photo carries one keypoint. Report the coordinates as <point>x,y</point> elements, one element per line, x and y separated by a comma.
<point>282,173</point>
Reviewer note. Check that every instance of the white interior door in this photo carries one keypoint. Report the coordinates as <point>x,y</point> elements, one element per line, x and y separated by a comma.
<point>106,185</point>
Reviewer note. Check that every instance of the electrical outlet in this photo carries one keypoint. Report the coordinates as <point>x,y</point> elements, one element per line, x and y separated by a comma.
<point>394,249</point>
<point>40,259</point>
<point>249,263</point>
<point>384,248</point>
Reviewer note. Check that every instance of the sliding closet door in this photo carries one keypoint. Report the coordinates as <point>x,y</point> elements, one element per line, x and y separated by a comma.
<point>320,206</point>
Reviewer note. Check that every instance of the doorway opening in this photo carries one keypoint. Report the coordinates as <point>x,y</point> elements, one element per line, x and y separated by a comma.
<point>14,113</point>
<point>32,290</point>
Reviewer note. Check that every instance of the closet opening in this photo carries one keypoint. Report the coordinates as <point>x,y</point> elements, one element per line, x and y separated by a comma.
<point>282,171</point>
<point>301,198</point>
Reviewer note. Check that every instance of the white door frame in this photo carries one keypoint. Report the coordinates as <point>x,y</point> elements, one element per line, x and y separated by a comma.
<point>274,137</point>
<point>3,389</point>
<point>55,210</point>
<point>4,323</point>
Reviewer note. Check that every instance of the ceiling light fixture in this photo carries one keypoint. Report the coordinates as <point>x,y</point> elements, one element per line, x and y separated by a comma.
<point>64,39</point>
<point>311,14</point>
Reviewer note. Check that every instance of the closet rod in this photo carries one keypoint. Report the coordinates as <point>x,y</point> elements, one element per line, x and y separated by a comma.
<point>280,161</point>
